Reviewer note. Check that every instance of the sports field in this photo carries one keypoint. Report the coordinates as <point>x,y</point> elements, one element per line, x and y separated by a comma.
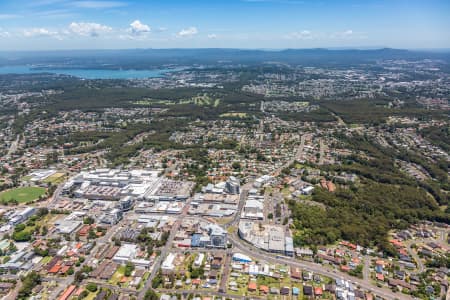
<point>22,194</point>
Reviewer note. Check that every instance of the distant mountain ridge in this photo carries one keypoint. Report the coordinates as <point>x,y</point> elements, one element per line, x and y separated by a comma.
<point>144,58</point>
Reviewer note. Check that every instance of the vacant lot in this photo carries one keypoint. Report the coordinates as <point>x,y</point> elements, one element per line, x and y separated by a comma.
<point>22,194</point>
<point>55,178</point>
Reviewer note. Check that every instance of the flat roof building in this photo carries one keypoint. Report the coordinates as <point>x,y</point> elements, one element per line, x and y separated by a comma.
<point>168,266</point>
<point>127,252</point>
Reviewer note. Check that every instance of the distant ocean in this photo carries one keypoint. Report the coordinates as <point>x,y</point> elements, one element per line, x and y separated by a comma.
<point>89,73</point>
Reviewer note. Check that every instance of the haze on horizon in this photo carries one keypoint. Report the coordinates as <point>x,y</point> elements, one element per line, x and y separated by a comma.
<point>264,24</point>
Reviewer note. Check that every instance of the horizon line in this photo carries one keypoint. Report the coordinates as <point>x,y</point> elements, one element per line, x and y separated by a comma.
<point>343,48</point>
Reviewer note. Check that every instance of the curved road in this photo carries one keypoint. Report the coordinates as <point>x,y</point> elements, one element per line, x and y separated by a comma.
<point>251,251</point>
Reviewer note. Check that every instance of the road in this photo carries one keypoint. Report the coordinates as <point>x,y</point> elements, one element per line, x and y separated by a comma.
<point>317,268</point>
<point>63,283</point>
<point>420,266</point>
<point>238,246</point>
<point>245,248</point>
<point>208,293</point>
<point>226,272</point>
<point>251,251</point>
<point>13,147</point>
<point>366,269</point>
<point>112,287</point>
<point>165,250</point>
<point>321,151</point>
<point>242,198</point>
<point>299,154</point>
<point>14,292</point>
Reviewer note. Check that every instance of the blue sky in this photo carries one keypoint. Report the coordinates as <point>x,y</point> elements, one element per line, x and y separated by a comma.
<point>118,24</point>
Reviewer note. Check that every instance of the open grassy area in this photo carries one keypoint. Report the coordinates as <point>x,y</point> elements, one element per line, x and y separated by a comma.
<point>55,178</point>
<point>26,178</point>
<point>117,276</point>
<point>284,281</point>
<point>234,115</point>
<point>150,101</point>
<point>22,194</point>
<point>232,229</point>
<point>91,296</point>
<point>200,100</point>
<point>46,260</point>
<point>224,220</point>
<point>286,192</point>
<point>144,279</point>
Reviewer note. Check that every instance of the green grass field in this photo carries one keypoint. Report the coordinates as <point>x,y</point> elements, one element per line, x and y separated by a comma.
<point>55,178</point>
<point>234,115</point>
<point>46,260</point>
<point>117,276</point>
<point>200,100</point>
<point>22,194</point>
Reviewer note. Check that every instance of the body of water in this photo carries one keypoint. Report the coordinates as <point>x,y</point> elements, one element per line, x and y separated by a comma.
<point>89,73</point>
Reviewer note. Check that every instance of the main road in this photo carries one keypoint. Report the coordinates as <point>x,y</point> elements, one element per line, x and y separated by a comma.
<point>164,250</point>
<point>245,248</point>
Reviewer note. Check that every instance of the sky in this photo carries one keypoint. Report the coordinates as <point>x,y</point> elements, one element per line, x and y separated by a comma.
<point>261,24</point>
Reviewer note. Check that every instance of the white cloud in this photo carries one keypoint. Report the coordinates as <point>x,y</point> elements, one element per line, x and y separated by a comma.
<point>98,4</point>
<point>4,34</point>
<point>188,32</point>
<point>89,29</point>
<point>347,34</point>
<point>300,35</point>
<point>43,32</point>
<point>139,28</point>
<point>212,36</point>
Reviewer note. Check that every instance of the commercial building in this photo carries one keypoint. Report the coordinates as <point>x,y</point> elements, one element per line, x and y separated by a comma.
<point>253,209</point>
<point>126,203</point>
<point>218,236</point>
<point>112,217</point>
<point>242,258</point>
<point>271,238</point>
<point>232,185</point>
<point>126,253</point>
<point>289,246</point>
<point>116,184</point>
<point>307,190</point>
<point>65,226</point>
<point>40,175</point>
<point>168,266</point>
<point>21,216</point>
<point>276,239</point>
<point>263,180</point>
<point>199,260</point>
<point>169,190</point>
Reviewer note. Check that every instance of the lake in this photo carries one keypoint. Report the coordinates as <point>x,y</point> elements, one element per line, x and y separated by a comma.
<point>90,73</point>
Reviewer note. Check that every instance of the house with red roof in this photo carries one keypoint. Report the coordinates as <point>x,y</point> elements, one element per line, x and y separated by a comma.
<point>252,286</point>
